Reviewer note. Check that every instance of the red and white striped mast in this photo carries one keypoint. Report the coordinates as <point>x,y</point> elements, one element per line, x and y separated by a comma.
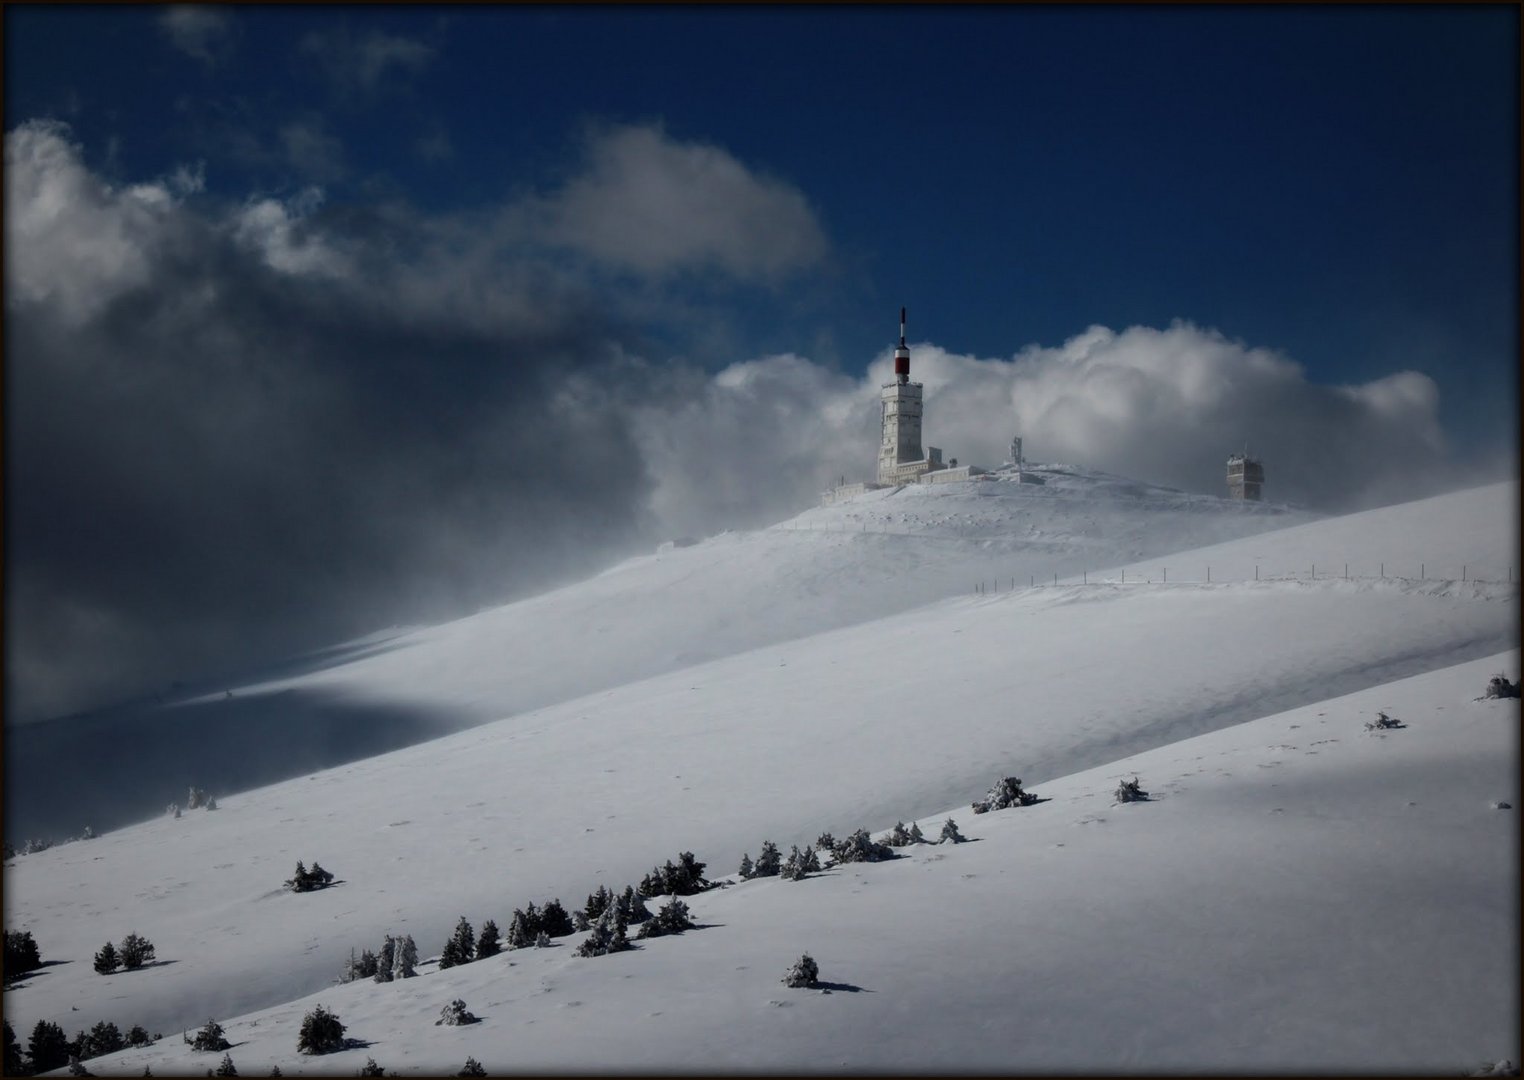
<point>902,354</point>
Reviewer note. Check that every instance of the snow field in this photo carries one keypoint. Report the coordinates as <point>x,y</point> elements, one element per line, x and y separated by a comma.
<point>858,726</point>
<point>1297,895</point>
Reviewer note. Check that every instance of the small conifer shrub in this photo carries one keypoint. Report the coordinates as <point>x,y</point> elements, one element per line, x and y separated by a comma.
<point>107,961</point>
<point>455,1014</point>
<point>950,833</point>
<point>226,1066</point>
<point>860,847</point>
<point>473,1068</point>
<point>1130,791</point>
<point>1006,792</point>
<point>210,1039</point>
<point>804,973</point>
<point>370,1068</point>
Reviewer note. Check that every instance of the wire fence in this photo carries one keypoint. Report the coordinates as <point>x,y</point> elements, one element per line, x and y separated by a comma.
<point>1208,574</point>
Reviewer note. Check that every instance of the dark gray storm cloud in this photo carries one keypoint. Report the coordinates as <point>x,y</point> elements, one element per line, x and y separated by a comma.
<point>237,430</point>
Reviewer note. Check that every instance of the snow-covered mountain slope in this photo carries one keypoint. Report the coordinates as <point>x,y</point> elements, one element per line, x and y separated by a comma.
<point>1299,894</point>
<point>899,717</point>
<point>881,553</point>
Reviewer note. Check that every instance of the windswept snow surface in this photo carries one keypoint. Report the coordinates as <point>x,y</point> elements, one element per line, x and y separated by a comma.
<point>1299,894</point>
<point>881,553</point>
<point>896,718</point>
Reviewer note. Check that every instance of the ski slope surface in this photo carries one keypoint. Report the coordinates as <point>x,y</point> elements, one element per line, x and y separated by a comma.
<point>899,717</point>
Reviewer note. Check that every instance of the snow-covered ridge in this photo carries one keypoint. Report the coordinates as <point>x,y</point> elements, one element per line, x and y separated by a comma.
<point>860,725</point>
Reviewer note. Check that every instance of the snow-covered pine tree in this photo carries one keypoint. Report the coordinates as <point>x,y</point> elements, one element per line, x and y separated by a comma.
<point>194,799</point>
<point>804,973</point>
<point>107,961</point>
<point>950,833</point>
<point>769,862</point>
<point>1129,791</point>
<point>860,847</point>
<point>522,929</point>
<point>793,866</point>
<point>472,1068</point>
<point>916,836</point>
<point>597,903</point>
<point>633,906</point>
<point>746,869</point>
<point>825,842</point>
<point>370,1068</point>
<point>138,1036</point>
<point>580,921</point>
<point>899,836</point>
<point>487,944</point>
<point>386,959</point>
<point>211,804</point>
<point>461,948</point>
<point>226,1066</point>
<point>405,958</point>
<point>608,934</point>
<point>48,1047</point>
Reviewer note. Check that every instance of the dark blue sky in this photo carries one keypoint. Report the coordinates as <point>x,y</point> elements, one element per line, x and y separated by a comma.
<point>1337,183</point>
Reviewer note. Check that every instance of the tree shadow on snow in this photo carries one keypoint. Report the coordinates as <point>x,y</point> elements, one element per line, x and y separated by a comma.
<point>845,988</point>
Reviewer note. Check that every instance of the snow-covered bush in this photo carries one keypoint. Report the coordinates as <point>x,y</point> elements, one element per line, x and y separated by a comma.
<point>542,940</point>
<point>1130,791</point>
<point>804,973</point>
<point>135,951</point>
<point>195,798</point>
<point>1383,722</point>
<point>321,1033</point>
<point>35,845</point>
<point>670,918</point>
<point>454,1014</point>
<point>370,1068</point>
<point>523,928</point>
<point>825,842</point>
<point>138,1036</point>
<point>1005,793</point>
<point>209,1039</point>
<point>211,802</point>
<point>745,869</point>
<point>799,864</point>
<point>359,967</point>
<point>473,1068</point>
<point>1499,687</point>
<point>461,948</point>
<point>860,847</point>
<point>580,921</point>
<point>950,833</point>
<point>305,880</point>
<point>226,1067</point>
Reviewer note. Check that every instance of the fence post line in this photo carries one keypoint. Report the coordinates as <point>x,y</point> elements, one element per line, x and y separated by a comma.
<point>1256,573</point>
<point>1314,571</point>
<point>1085,577</point>
<point>1421,574</point>
<point>1209,573</point>
<point>1055,577</point>
<point>1383,569</point>
<point>1463,571</point>
<point>1166,575</point>
<point>1346,571</point>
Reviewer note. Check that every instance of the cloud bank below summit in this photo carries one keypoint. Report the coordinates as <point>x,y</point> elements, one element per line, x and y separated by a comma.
<point>242,428</point>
